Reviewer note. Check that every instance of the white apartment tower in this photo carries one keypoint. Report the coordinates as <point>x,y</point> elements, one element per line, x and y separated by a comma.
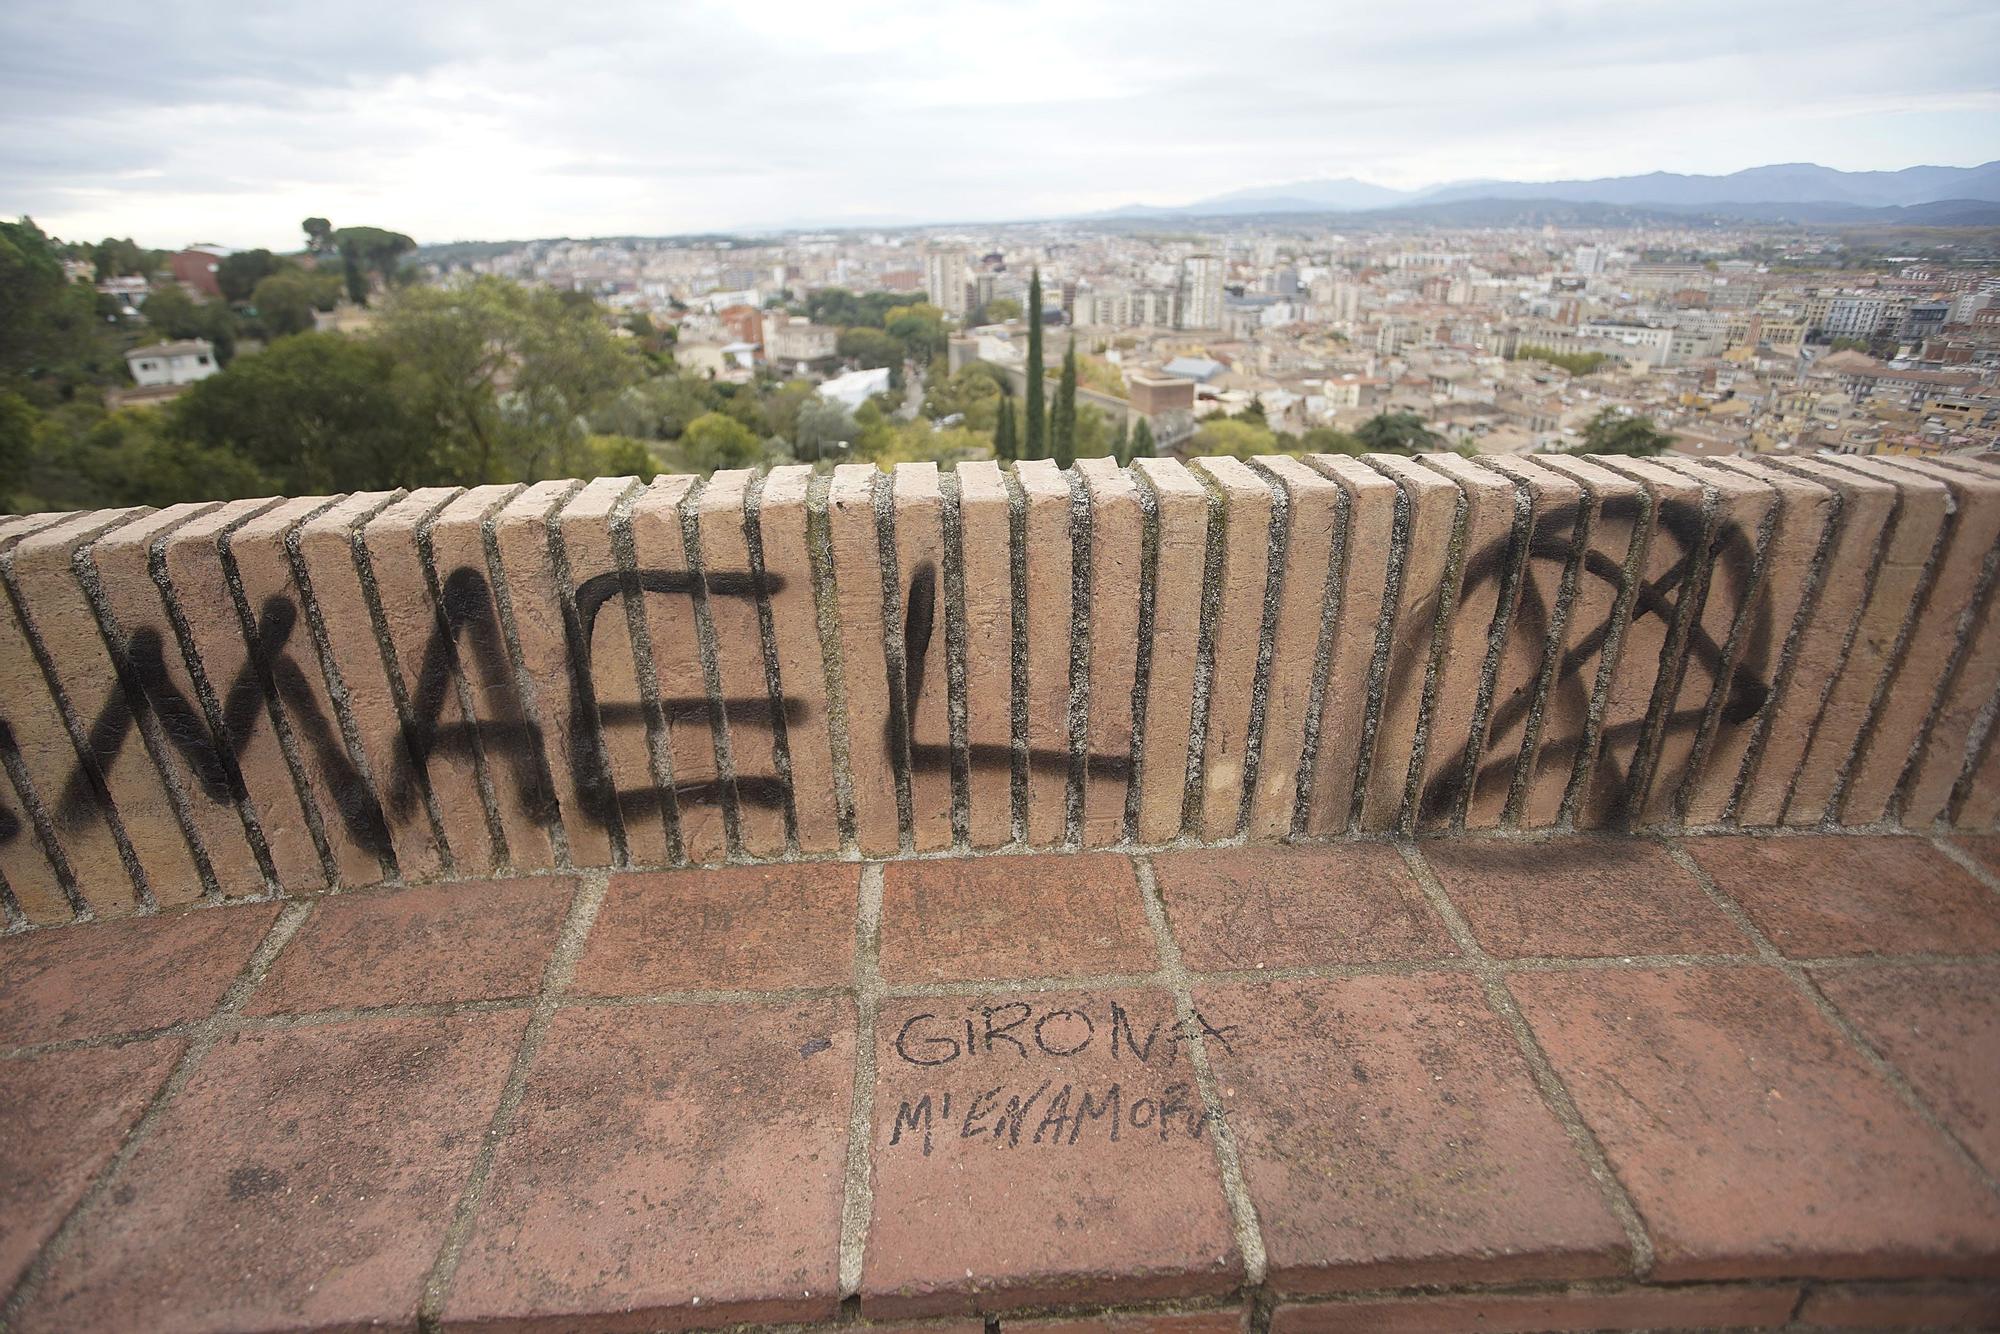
<point>944,281</point>
<point>1201,292</point>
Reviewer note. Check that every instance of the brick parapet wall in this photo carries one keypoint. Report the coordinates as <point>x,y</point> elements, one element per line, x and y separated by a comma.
<point>223,700</point>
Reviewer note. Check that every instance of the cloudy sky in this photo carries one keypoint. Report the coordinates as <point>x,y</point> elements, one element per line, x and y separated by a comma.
<point>447,119</point>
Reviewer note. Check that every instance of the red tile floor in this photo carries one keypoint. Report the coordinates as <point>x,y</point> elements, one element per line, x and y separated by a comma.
<point>1489,1083</point>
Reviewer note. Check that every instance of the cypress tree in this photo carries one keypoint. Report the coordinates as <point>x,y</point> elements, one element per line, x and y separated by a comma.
<point>1121,448</point>
<point>1142,441</point>
<point>1062,423</point>
<point>1032,443</point>
<point>1004,445</point>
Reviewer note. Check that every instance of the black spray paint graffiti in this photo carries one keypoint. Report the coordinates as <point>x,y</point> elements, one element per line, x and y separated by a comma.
<point>1728,562</point>
<point>469,635</point>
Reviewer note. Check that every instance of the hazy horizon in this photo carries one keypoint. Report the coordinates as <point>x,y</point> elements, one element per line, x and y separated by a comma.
<point>511,121</point>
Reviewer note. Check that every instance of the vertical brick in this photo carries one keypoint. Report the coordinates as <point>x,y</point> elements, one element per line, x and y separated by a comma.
<point>426,692</point>
<point>919,507</point>
<point>534,593</point>
<point>1899,568</point>
<point>1486,549</point>
<point>609,670</point>
<point>1615,515</point>
<point>246,718</point>
<point>25,862</point>
<point>1117,549</point>
<point>43,578</point>
<point>1049,557</point>
<point>41,745</point>
<point>1613,792</point>
<point>1181,538</point>
<point>986,542</point>
<point>498,721</point>
<point>353,814</point>
<point>739,655</point>
<point>1949,610</point>
<point>1708,683</point>
<point>1363,582</point>
<point>1238,630</point>
<point>1432,509</point>
<point>1805,509</point>
<point>1314,507</point>
<point>1532,649</point>
<point>196,757</point>
<point>781,526</point>
<point>1865,507</point>
<point>328,548</point>
<point>78,809</point>
<point>673,639</point>
<point>857,575</point>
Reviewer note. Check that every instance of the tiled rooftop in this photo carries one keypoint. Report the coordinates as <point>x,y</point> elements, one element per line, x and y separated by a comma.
<point>1493,1082</point>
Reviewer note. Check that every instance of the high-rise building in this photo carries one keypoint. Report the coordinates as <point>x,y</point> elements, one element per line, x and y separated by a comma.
<point>945,280</point>
<point>1201,292</point>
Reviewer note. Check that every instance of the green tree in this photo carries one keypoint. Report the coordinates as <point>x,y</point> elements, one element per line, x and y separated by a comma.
<point>714,441</point>
<point>622,456</point>
<point>239,274</point>
<point>998,311</point>
<point>1062,422</point>
<point>53,341</point>
<point>1236,438</point>
<point>366,250</point>
<point>1142,446</point>
<point>919,328</point>
<point>315,413</point>
<point>870,349</point>
<point>1326,440</point>
<point>1613,431</point>
<point>510,376</point>
<point>1398,433</point>
<point>1033,445</point>
<point>284,303</point>
<point>1005,445</point>
<point>319,235</point>
<point>122,258</point>
<point>824,429</point>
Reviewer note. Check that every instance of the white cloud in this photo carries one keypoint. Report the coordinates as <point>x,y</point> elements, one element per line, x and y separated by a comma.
<point>173,121</point>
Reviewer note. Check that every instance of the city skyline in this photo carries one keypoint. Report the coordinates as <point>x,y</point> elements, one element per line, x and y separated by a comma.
<point>512,122</point>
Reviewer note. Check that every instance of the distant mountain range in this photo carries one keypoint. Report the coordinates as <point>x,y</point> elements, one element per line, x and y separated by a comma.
<point>1786,192</point>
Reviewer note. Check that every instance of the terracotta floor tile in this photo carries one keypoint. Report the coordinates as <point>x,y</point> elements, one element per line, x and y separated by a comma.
<point>677,1163</point>
<point>1752,1136</point>
<point>434,944</point>
<point>1817,897</point>
<point>1042,1147</point>
<point>124,975</point>
<point>1391,1133</point>
<point>65,1114</point>
<point>303,1177</point>
<point>1984,849</point>
<point>1940,1025</point>
<point>737,929</point>
<point>1705,1307</point>
<point>1053,915</point>
<point>1880,1306</point>
<point>1266,907</point>
<point>1581,897</point>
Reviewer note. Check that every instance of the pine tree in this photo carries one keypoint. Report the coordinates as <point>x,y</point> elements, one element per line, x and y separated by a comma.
<point>1005,446</point>
<point>1032,443</point>
<point>1062,422</point>
<point>1142,441</point>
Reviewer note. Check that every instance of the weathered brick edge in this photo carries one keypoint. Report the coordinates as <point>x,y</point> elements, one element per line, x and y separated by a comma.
<point>266,697</point>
